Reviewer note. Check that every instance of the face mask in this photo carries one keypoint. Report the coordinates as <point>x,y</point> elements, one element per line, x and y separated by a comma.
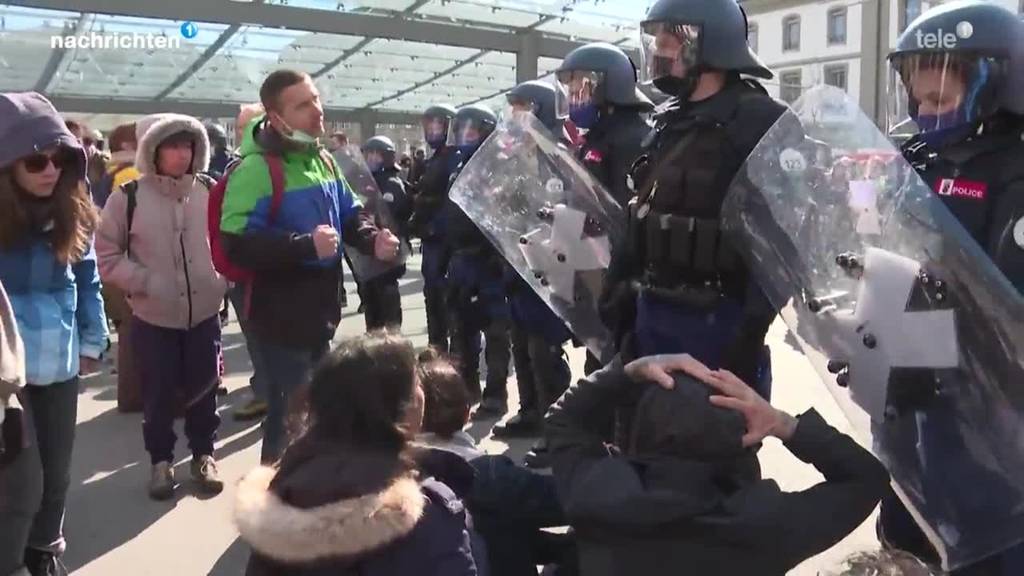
<point>375,164</point>
<point>681,88</point>
<point>298,136</point>
<point>585,116</point>
<point>467,150</point>
<point>937,130</point>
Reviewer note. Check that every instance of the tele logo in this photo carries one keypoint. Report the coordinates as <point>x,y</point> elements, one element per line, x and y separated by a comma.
<point>940,39</point>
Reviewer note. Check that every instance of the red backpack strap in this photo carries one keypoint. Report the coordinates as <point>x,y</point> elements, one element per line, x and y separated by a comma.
<point>331,164</point>
<point>276,167</point>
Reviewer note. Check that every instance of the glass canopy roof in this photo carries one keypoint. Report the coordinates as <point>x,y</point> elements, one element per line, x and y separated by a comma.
<point>224,63</point>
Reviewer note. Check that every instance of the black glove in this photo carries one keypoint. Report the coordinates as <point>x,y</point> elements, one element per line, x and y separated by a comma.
<point>12,436</point>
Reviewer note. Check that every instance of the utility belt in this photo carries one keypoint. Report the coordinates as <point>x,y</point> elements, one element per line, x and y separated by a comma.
<point>685,259</point>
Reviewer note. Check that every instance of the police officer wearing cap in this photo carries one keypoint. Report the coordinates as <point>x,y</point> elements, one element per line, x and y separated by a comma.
<point>538,334</point>
<point>477,299</point>
<point>678,286</point>
<point>383,305</point>
<point>597,91</point>
<point>427,222</point>
<point>958,78</point>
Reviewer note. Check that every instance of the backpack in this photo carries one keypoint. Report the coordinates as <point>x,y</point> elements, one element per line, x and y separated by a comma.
<point>221,263</point>
<point>131,190</point>
<point>105,186</point>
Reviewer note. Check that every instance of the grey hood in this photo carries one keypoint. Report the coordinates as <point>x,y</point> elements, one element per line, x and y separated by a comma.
<point>154,129</point>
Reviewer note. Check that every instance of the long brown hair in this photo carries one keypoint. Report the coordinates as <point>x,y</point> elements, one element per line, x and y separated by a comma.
<point>74,215</point>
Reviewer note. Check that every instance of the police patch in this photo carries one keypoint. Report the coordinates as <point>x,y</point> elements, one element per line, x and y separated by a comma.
<point>1018,233</point>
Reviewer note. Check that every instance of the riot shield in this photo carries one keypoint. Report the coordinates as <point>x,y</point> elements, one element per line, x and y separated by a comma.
<point>549,218</point>
<point>917,334</point>
<point>360,179</point>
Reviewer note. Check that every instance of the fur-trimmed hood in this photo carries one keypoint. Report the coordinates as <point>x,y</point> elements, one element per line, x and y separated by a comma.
<point>340,529</point>
<point>155,128</point>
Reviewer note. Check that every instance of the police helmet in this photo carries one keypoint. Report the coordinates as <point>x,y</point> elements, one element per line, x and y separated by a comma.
<point>380,144</point>
<point>956,65</point>
<point>600,74</point>
<point>681,39</point>
<point>437,122</point>
<point>472,125</point>
<point>218,136</point>
<point>540,97</point>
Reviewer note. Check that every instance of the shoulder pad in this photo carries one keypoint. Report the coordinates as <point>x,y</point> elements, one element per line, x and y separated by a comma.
<point>440,494</point>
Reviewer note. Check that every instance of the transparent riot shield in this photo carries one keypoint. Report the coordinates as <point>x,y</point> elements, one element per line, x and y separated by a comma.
<point>359,177</point>
<point>550,219</point>
<point>917,334</point>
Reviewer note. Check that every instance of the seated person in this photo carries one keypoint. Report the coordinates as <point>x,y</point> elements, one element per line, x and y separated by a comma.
<point>682,499</point>
<point>347,497</point>
<point>510,504</point>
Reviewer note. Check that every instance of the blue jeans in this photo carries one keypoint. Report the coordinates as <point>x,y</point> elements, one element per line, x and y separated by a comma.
<point>252,343</point>
<point>287,370</point>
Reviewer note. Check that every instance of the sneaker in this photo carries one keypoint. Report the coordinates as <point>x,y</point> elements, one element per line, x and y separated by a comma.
<point>204,473</point>
<point>43,563</point>
<point>491,408</point>
<point>161,484</point>
<point>525,424</point>
<point>253,410</point>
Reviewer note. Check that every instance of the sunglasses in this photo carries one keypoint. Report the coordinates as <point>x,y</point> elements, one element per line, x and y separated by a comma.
<point>38,162</point>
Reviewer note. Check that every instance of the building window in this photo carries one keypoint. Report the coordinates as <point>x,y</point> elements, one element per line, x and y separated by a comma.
<point>910,13</point>
<point>791,85</point>
<point>752,35</point>
<point>837,26</point>
<point>836,75</point>
<point>791,33</point>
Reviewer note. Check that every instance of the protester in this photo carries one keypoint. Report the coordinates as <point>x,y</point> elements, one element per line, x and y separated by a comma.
<point>293,251</point>
<point>48,268</point>
<point>256,407</point>
<point>152,244</point>
<point>346,498</point>
<point>120,167</point>
<point>685,496</point>
<point>511,505</point>
<point>337,141</point>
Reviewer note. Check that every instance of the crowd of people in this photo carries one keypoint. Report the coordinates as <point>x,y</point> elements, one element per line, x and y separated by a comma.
<point>650,459</point>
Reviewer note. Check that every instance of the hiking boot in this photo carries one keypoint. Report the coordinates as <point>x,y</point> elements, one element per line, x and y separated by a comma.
<point>43,563</point>
<point>525,424</point>
<point>491,408</point>
<point>205,475</point>
<point>538,458</point>
<point>161,484</point>
<point>253,410</point>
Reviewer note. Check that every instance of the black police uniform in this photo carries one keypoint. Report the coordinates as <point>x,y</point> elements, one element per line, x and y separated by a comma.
<point>611,147</point>
<point>382,302</point>
<point>428,224</point>
<point>676,258</point>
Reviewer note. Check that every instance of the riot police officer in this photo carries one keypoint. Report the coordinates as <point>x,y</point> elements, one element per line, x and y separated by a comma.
<point>597,91</point>
<point>965,95</point>
<point>383,303</point>
<point>538,334</point>
<point>677,286</point>
<point>476,292</point>
<point>428,221</point>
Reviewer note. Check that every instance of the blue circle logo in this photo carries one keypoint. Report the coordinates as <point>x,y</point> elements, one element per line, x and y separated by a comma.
<point>189,30</point>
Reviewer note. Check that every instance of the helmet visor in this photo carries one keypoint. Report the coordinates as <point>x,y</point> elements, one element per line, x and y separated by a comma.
<point>668,49</point>
<point>469,132</point>
<point>576,89</point>
<point>435,128</point>
<point>940,90</point>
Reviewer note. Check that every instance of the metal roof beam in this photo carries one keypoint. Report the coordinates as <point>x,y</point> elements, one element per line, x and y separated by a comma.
<point>72,104</point>
<point>57,55</point>
<point>205,57</point>
<point>397,27</point>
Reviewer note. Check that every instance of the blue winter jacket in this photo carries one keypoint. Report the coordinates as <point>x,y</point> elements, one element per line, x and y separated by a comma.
<point>58,307</point>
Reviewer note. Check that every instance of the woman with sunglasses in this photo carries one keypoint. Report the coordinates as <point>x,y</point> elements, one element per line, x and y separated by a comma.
<point>48,266</point>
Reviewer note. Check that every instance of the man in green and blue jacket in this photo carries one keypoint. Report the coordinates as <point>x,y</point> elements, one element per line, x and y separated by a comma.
<point>294,303</point>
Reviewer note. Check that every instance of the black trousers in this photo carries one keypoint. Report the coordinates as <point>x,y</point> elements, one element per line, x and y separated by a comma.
<point>382,303</point>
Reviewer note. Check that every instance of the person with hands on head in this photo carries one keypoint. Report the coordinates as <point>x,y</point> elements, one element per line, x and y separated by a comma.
<point>685,495</point>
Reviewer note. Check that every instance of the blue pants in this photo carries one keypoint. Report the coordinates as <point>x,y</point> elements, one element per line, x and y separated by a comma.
<point>663,328</point>
<point>287,370</point>
<point>252,344</point>
<point>434,268</point>
<point>175,364</point>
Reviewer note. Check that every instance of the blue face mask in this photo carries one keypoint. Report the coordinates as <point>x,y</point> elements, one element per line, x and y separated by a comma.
<point>375,164</point>
<point>466,151</point>
<point>937,130</point>
<point>585,116</point>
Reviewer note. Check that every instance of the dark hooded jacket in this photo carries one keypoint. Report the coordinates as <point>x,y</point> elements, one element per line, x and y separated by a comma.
<point>657,513</point>
<point>610,149</point>
<point>334,511</point>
